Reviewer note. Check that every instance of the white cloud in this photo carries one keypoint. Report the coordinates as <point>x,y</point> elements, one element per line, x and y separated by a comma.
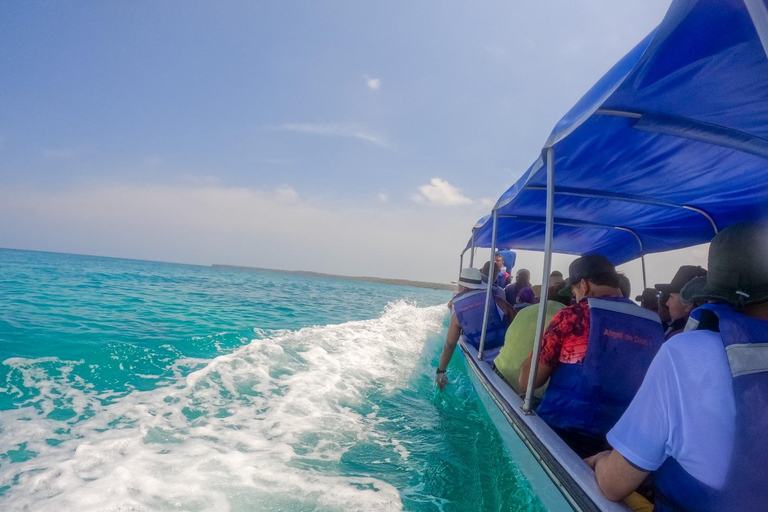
<point>373,83</point>
<point>383,197</point>
<point>337,130</point>
<point>442,193</point>
<point>286,194</point>
<point>487,202</point>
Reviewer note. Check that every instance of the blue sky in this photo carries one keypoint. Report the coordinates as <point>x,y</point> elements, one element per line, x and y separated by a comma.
<point>370,135</point>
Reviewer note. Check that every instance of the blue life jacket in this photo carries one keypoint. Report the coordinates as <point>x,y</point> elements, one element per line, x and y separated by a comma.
<point>470,309</point>
<point>590,397</point>
<point>501,278</point>
<point>746,343</point>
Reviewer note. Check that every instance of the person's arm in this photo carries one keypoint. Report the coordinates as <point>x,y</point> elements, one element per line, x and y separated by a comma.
<point>616,477</point>
<point>451,339</point>
<point>542,374</point>
<point>506,308</point>
<point>551,344</point>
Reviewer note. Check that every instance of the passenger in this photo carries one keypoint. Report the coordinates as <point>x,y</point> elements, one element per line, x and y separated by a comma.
<point>556,277</point>
<point>525,298</point>
<point>467,320</point>
<point>649,299</point>
<point>497,290</point>
<point>625,286</point>
<point>518,341</point>
<point>502,278</point>
<point>596,352</point>
<point>678,312</point>
<point>699,419</point>
<point>522,280</point>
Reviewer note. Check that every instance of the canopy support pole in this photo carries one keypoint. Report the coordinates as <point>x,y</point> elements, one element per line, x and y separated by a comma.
<point>461,263</point>
<point>489,288</point>
<point>645,281</point>
<point>472,251</point>
<point>541,320</point>
<point>759,15</point>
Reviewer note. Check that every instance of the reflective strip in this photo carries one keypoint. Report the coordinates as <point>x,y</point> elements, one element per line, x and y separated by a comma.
<point>625,308</point>
<point>472,293</point>
<point>691,325</point>
<point>747,358</point>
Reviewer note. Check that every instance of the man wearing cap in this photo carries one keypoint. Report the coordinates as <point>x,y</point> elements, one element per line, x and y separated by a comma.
<point>467,315</point>
<point>678,310</point>
<point>700,417</point>
<point>596,352</point>
<point>649,299</point>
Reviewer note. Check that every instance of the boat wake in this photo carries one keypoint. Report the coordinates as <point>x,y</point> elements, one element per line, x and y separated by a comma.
<point>262,428</point>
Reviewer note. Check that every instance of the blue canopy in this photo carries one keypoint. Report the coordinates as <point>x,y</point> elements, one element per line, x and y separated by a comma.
<point>668,147</point>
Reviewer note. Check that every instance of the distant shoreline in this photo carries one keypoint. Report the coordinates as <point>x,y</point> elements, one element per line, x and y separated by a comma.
<point>381,280</point>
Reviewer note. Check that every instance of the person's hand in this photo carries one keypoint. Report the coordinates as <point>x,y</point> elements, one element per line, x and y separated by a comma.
<point>442,380</point>
<point>592,461</point>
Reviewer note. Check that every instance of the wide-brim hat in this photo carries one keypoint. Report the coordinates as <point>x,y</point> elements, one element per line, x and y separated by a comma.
<point>683,276</point>
<point>471,278</point>
<point>738,268</point>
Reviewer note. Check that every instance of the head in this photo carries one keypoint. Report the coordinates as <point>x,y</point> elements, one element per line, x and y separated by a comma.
<point>593,275</point>
<point>738,269</point>
<point>677,308</point>
<point>522,278</point>
<point>554,293</point>
<point>496,269</point>
<point>499,259</point>
<point>470,279</point>
<point>649,299</point>
<point>625,286</point>
<point>526,296</point>
<point>555,277</point>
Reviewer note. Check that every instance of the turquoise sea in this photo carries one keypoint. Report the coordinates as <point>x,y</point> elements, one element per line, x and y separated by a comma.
<point>139,386</point>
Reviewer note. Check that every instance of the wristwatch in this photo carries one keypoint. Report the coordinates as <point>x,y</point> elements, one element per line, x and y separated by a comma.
<point>439,371</point>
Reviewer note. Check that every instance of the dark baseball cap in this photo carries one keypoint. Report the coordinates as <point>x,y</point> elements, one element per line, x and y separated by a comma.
<point>589,265</point>
<point>649,296</point>
<point>684,275</point>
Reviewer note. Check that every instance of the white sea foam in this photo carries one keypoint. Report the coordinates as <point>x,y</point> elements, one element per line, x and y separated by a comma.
<point>262,428</point>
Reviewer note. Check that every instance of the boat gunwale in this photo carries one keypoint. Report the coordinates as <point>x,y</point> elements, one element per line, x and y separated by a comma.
<point>567,471</point>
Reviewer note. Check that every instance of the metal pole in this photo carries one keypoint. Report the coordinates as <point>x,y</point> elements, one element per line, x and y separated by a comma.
<point>489,290</point>
<point>544,280</point>
<point>472,251</point>
<point>642,261</point>
<point>461,262</point>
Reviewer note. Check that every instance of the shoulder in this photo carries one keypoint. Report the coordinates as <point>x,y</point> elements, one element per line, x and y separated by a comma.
<point>694,348</point>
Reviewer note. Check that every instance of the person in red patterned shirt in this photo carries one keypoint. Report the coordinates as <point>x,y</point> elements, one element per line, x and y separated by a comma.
<point>565,340</point>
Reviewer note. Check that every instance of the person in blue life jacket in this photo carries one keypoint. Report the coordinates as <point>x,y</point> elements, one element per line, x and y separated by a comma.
<point>496,290</point>
<point>595,354</point>
<point>678,310</point>
<point>467,320</point>
<point>700,417</point>
<point>502,275</point>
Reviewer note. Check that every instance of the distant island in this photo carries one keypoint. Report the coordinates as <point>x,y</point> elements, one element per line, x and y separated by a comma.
<point>399,282</point>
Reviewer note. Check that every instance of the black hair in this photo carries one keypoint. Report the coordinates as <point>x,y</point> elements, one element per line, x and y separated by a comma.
<point>522,279</point>
<point>625,286</point>
<point>605,279</point>
<point>487,265</point>
<point>554,294</point>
